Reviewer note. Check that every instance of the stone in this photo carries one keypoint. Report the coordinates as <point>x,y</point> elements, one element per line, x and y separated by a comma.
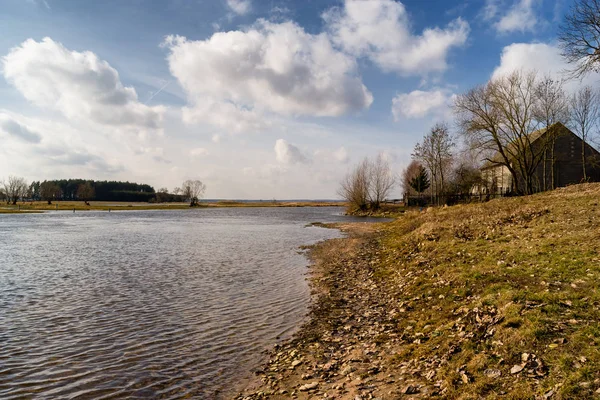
<point>410,389</point>
<point>308,386</point>
<point>516,369</point>
<point>492,373</point>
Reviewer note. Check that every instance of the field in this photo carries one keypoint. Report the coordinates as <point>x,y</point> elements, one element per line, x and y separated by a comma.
<point>125,206</point>
<point>492,300</point>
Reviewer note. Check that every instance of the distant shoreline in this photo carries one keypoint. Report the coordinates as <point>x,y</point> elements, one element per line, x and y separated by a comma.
<point>40,206</point>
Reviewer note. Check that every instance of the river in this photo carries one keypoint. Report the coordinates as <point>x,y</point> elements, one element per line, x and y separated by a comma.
<point>149,304</point>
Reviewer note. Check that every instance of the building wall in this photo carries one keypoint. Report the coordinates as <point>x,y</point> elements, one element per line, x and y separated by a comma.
<point>568,165</point>
<point>499,179</point>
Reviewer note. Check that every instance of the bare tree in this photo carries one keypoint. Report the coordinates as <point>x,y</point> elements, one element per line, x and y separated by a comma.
<point>498,119</point>
<point>435,152</point>
<point>381,179</point>
<point>49,191</point>
<point>15,188</point>
<point>585,115</point>
<point>177,191</point>
<point>193,191</point>
<point>407,176</point>
<point>86,192</point>
<point>579,37</point>
<point>551,106</point>
<point>355,186</point>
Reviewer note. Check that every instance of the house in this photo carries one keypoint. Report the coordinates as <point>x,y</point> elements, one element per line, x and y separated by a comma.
<point>567,168</point>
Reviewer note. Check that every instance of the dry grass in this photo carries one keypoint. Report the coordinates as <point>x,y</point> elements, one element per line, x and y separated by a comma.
<point>481,285</point>
<point>494,300</point>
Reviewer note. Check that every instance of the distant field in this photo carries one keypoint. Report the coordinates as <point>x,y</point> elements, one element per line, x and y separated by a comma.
<point>125,206</point>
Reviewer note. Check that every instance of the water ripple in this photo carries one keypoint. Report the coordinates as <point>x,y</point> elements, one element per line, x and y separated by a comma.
<point>163,305</point>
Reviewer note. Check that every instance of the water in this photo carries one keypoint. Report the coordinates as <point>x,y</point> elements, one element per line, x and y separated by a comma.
<point>148,304</point>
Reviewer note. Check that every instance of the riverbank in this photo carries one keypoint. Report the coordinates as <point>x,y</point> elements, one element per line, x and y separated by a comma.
<point>128,206</point>
<point>494,300</point>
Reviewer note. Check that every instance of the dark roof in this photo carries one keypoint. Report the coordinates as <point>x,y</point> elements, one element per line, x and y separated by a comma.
<point>498,160</point>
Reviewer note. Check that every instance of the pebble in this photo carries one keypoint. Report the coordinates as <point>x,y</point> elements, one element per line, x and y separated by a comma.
<point>308,386</point>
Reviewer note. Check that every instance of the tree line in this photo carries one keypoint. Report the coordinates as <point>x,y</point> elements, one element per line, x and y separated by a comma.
<point>16,189</point>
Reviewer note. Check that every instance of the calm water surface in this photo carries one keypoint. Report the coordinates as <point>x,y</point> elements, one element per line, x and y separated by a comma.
<point>148,304</point>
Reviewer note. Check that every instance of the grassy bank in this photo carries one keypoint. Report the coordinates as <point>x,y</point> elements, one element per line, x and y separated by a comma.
<point>126,206</point>
<point>494,300</point>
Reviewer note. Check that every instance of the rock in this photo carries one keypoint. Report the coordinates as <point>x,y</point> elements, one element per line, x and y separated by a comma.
<point>516,369</point>
<point>492,373</point>
<point>347,370</point>
<point>524,357</point>
<point>410,389</point>
<point>464,377</point>
<point>295,363</point>
<point>308,386</point>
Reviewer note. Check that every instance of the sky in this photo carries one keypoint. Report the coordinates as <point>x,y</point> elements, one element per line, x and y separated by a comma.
<point>259,99</point>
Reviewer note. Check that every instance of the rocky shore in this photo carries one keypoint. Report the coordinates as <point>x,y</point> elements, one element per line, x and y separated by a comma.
<point>341,351</point>
<point>494,300</point>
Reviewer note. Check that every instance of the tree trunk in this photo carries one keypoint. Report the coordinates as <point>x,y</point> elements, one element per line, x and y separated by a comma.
<point>583,159</point>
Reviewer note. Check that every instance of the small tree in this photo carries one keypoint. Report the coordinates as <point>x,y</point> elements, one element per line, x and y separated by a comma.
<point>408,174</point>
<point>420,182</point>
<point>355,186</point>
<point>193,191</point>
<point>579,37</point>
<point>162,195</point>
<point>15,188</point>
<point>49,191</point>
<point>86,192</point>
<point>551,106</point>
<point>585,114</point>
<point>381,181</point>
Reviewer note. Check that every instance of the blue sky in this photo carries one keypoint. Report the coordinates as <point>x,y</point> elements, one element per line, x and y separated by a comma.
<point>259,99</point>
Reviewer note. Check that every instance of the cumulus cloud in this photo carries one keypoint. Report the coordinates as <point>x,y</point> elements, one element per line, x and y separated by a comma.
<point>541,57</point>
<point>78,84</point>
<point>521,15</point>
<point>419,103</point>
<point>240,7</point>
<point>380,30</point>
<point>287,153</point>
<point>278,68</point>
<point>18,130</point>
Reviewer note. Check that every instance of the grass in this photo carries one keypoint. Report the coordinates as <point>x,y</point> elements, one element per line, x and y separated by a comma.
<point>486,283</point>
<point>128,206</point>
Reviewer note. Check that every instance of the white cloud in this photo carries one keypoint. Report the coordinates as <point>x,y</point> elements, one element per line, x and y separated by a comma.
<point>541,57</point>
<point>338,156</point>
<point>237,76</point>
<point>419,103</point>
<point>521,16</point>
<point>198,152</point>
<point>37,146</point>
<point>341,155</point>
<point>287,153</point>
<point>380,30</point>
<point>240,7</point>
<point>157,154</point>
<point>20,131</point>
<point>216,138</point>
<point>78,84</point>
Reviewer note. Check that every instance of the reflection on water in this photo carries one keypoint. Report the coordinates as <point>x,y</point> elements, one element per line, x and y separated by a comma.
<point>148,304</point>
